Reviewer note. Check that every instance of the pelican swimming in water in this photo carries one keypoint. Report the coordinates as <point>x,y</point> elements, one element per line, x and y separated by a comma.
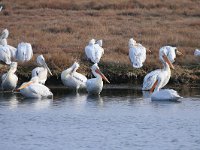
<point>33,89</point>
<point>95,85</point>
<point>9,79</point>
<point>73,79</point>
<point>137,53</point>
<point>197,52</point>
<point>42,71</point>
<point>94,51</point>
<point>160,77</point>
<point>168,53</point>
<point>165,95</point>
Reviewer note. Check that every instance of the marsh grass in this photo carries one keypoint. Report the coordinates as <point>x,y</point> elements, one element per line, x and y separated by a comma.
<point>61,29</point>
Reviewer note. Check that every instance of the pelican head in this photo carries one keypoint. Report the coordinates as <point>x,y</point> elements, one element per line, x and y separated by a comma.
<point>75,66</point>
<point>92,42</point>
<point>13,66</point>
<point>99,42</point>
<point>41,62</point>
<point>131,42</point>
<point>96,72</point>
<point>165,59</point>
<point>33,80</point>
<point>177,51</point>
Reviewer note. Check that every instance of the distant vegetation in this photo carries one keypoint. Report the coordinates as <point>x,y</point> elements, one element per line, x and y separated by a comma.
<point>60,30</point>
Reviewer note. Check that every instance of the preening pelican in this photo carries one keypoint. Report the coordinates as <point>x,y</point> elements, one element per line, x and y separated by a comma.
<point>94,51</point>
<point>9,79</point>
<point>73,79</point>
<point>5,55</point>
<point>95,85</point>
<point>24,52</point>
<point>150,78</point>
<point>33,89</point>
<point>3,42</point>
<point>165,95</point>
<point>197,52</point>
<point>170,52</point>
<point>160,77</point>
<point>42,71</point>
<point>137,53</point>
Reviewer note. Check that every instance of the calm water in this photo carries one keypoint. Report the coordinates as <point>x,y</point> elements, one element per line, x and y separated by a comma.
<point>121,118</point>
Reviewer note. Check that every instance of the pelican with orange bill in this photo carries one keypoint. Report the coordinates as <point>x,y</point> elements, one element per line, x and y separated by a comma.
<point>95,85</point>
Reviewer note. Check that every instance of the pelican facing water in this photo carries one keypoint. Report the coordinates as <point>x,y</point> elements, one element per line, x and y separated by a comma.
<point>94,51</point>
<point>33,89</point>
<point>72,79</point>
<point>95,85</point>
<point>42,71</point>
<point>9,79</point>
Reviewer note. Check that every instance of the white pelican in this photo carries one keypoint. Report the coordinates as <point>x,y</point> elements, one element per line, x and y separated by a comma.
<point>137,53</point>
<point>150,78</point>
<point>42,71</point>
<point>5,54</point>
<point>160,77</point>
<point>3,42</point>
<point>33,89</point>
<point>24,52</point>
<point>9,79</point>
<point>165,95</point>
<point>95,85</point>
<point>1,8</point>
<point>197,52</point>
<point>73,79</point>
<point>94,51</point>
<point>170,52</point>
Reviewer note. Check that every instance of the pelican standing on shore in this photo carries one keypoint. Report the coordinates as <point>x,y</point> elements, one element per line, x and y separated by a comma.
<point>94,51</point>
<point>137,53</point>
<point>95,85</point>
<point>42,71</point>
<point>167,52</point>
<point>24,52</point>
<point>72,79</point>
<point>9,79</point>
<point>33,89</point>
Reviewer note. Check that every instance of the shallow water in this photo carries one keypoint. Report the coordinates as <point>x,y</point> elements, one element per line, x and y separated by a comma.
<point>121,118</point>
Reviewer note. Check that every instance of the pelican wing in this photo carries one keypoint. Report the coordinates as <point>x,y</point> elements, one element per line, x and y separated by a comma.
<point>40,90</point>
<point>5,54</point>
<point>90,52</point>
<point>24,52</point>
<point>99,51</point>
<point>150,79</point>
<point>13,51</point>
<point>137,55</point>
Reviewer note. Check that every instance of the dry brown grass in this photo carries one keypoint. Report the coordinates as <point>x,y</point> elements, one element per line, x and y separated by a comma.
<point>60,29</point>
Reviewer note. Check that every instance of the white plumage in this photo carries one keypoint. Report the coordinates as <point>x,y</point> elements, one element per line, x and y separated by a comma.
<point>5,54</point>
<point>160,76</point>
<point>137,53</point>
<point>95,85</point>
<point>165,95</point>
<point>73,79</point>
<point>150,78</point>
<point>24,52</point>
<point>9,79</point>
<point>33,89</point>
<point>94,51</point>
<point>41,72</point>
<point>197,52</point>
<point>1,8</point>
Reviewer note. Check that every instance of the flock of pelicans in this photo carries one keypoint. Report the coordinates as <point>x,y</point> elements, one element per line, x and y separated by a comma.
<point>36,88</point>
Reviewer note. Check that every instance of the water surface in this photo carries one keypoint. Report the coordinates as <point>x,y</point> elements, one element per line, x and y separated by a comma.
<point>120,118</point>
